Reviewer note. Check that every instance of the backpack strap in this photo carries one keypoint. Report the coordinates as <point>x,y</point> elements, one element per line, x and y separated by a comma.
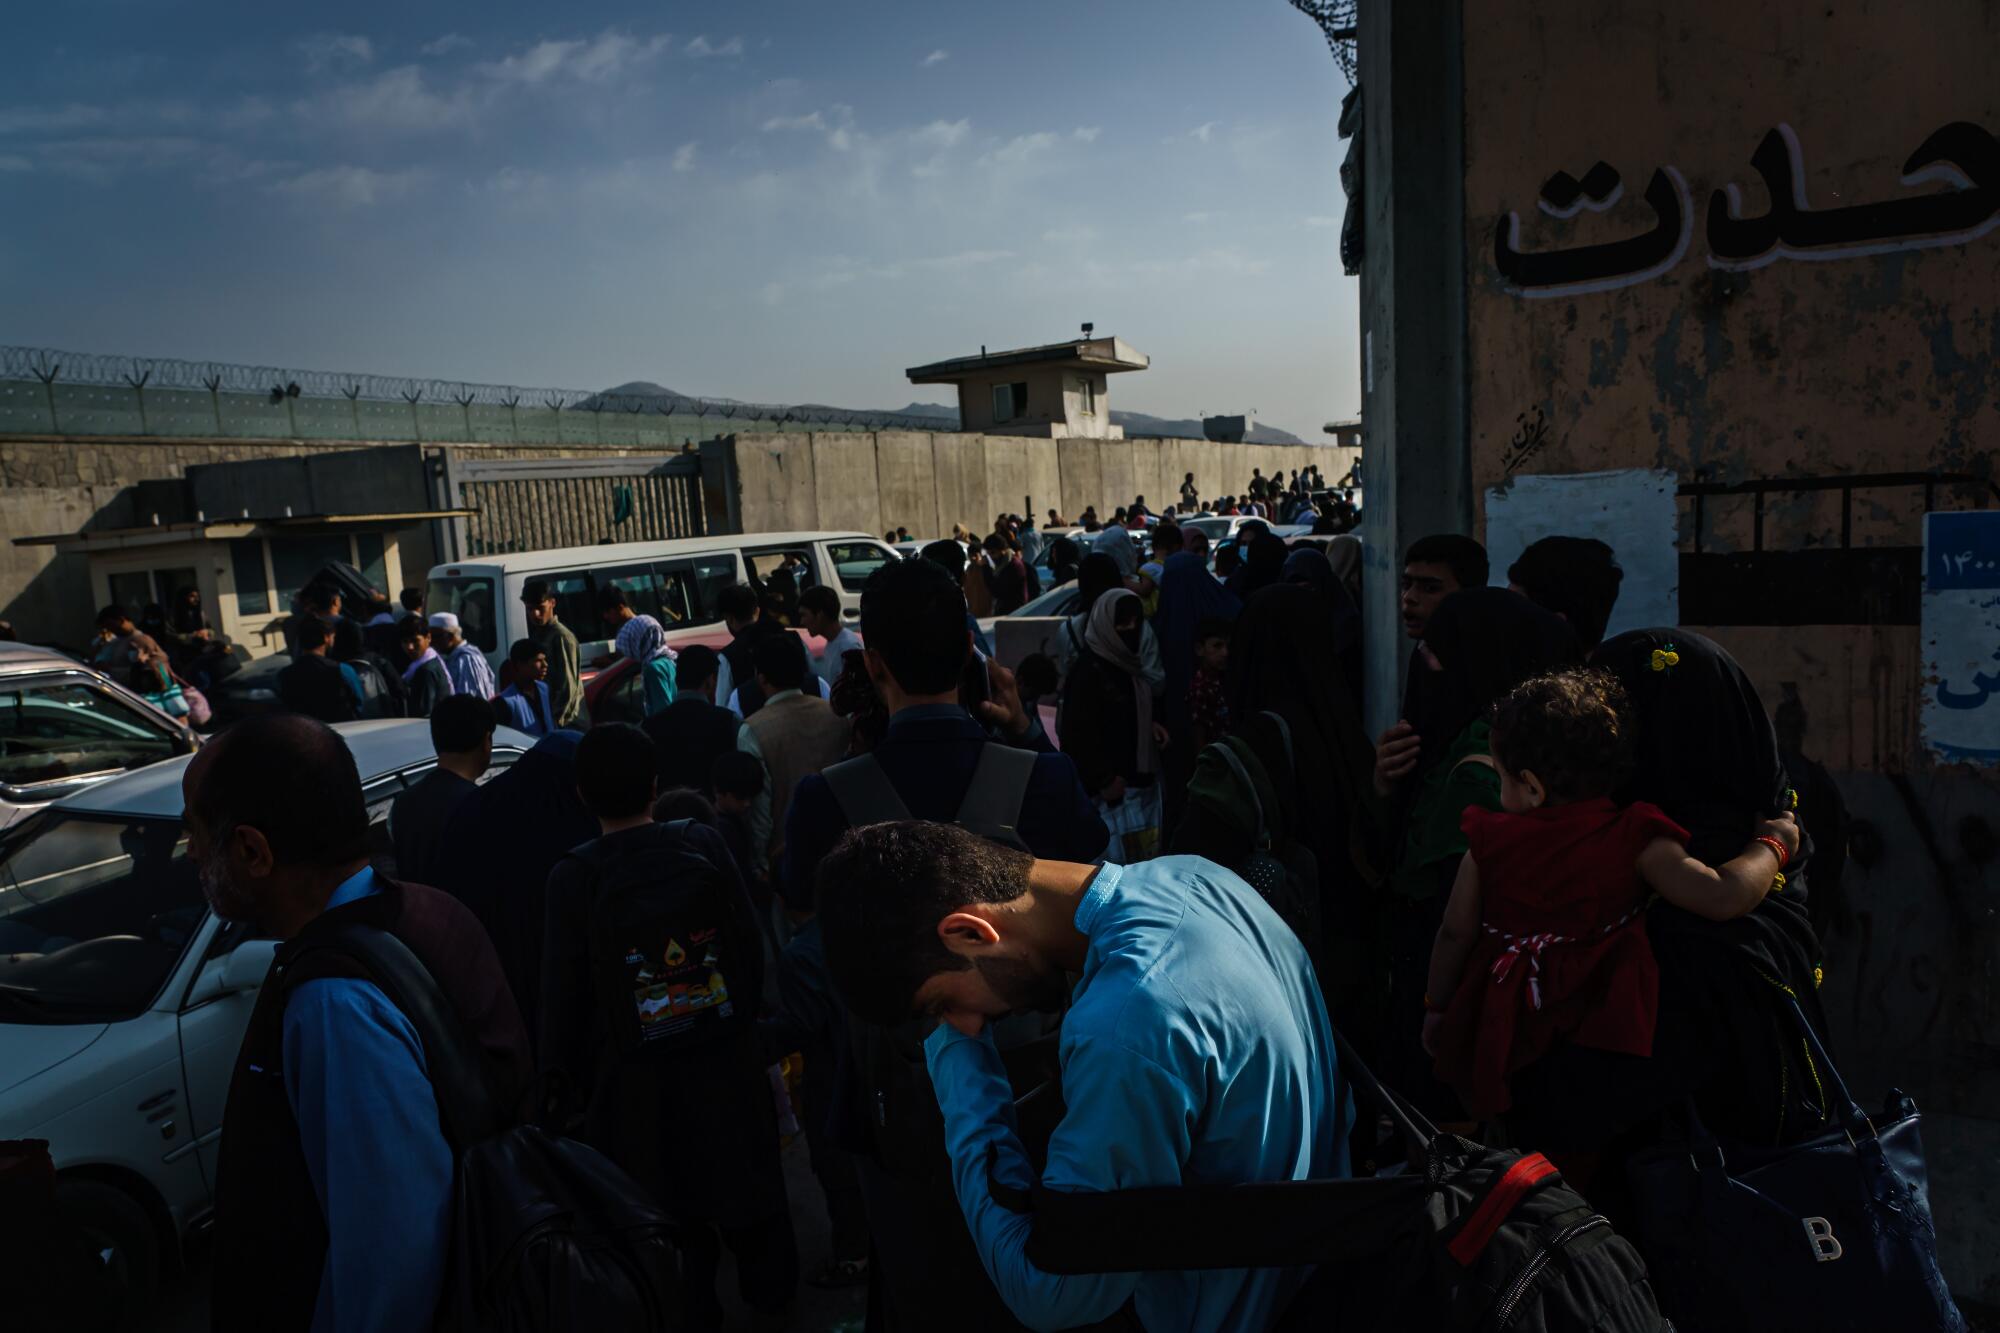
<point>454,1064</point>
<point>992,804</point>
<point>863,791</point>
<point>1227,753</point>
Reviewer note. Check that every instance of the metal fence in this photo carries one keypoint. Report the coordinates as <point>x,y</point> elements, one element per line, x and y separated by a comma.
<point>48,392</point>
<point>537,505</point>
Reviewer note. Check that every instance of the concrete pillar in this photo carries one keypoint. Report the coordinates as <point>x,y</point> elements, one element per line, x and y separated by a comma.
<point>1418,470</point>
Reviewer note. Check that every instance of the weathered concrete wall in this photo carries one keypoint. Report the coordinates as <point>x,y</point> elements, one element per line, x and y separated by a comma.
<point>927,483</point>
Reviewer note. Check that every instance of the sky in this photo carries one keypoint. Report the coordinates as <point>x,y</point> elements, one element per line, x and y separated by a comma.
<point>779,202</point>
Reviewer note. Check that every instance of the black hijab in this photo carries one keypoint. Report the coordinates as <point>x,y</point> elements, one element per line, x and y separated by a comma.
<point>1263,565</point>
<point>1098,575</point>
<point>499,847</point>
<point>1708,756</point>
<point>1064,560</point>
<point>1488,640</point>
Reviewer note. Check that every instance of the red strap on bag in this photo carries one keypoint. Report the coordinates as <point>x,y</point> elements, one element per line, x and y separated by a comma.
<point>1516,1184</point>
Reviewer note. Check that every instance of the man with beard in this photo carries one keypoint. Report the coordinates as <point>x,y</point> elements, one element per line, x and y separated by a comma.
<point>1196,1049</point>
<point>334,1191</point>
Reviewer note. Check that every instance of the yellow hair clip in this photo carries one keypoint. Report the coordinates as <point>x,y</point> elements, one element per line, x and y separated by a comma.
<point>1778,882</point>
<point>1665,657</point>
<point>1819,977</point>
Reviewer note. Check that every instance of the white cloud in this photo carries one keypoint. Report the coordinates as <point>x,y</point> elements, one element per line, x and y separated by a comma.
<point>836,123</point>
<point>445,45</point>
<point>396,100</point>
<point>515,180</point>
<point>812,120</point>
<point>596,60</point>
<point>963,259</point>
<point>1076,235</point>
<point>1022,147</point>
<point>1196,219</point>
<point>1086,133</point>
<point>325,49</point>
<point>701,46</point>
<point>942,133</point>
<point>934,58</point>
<point>1205,131</point>
<point>347,186</point>
<point>684,157</point>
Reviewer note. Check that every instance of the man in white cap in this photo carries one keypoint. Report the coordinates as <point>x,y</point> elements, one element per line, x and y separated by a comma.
<point>465,664</point>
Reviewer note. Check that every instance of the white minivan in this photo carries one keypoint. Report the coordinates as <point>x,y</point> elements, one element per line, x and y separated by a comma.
<point>675,582</point>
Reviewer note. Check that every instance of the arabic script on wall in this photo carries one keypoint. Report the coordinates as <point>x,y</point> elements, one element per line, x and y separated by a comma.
<point>1962,158</point>
<point>1961,628</point>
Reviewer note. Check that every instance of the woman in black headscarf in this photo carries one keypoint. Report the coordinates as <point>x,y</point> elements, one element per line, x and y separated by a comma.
<point>1309,567</point>
<point>1064,560</point>
<point>1479,644</point>
<point>1282,662</point>
<point>499,846</point>
<point>1263,564</point>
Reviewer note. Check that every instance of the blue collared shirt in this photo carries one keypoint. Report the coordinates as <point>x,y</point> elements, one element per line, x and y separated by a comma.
<point>368,1121</point>
<point>1196,1050</point>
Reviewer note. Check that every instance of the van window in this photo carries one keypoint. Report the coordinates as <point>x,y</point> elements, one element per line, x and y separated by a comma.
<point>677,593</point>
<point>470,598</point>
<point>762,564</point>
<point>853,562</point>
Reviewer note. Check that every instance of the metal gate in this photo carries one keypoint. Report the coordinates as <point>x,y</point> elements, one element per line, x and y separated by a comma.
<point>540,503</point>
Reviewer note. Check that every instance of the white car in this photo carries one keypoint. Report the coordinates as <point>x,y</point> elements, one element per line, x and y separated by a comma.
<point>123,999</point>
<point>65,726</point>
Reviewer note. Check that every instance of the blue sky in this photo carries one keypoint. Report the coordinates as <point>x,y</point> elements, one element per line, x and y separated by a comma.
<point>770,201</point>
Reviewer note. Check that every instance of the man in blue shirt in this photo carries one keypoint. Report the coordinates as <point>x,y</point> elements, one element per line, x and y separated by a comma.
<point>334,1192</point>
<point>1196,1049</point>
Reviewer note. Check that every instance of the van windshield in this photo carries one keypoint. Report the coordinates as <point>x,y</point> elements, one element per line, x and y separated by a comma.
<point>470,598</point>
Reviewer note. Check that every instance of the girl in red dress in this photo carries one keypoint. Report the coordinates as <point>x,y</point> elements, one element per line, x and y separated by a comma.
<point>1543,940</point>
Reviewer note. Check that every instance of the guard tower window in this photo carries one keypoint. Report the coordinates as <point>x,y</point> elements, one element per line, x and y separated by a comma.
<point>1087,396</point>
<point>1010,401</point>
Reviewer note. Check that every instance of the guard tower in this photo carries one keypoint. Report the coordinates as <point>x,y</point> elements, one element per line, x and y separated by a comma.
<point>1055,391</point>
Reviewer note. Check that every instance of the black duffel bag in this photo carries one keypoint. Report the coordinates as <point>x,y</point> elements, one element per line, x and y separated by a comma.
<point>1463,1237</point>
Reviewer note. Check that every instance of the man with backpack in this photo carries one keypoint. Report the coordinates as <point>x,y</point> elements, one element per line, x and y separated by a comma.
<point>1196,1050</point>
<point>651,975</point>
<point>334,1195</point>
<point>937,763</point>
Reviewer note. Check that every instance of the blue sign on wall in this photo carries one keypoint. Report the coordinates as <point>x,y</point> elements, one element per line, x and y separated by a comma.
<point>1961,629</point>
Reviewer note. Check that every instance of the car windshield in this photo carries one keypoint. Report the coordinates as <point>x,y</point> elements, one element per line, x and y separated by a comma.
<point>94,914</point>
<point>58,731</point>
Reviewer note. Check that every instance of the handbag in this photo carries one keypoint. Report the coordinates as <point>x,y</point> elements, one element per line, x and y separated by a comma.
<point>199,712</point>
<point>1832,1233</point>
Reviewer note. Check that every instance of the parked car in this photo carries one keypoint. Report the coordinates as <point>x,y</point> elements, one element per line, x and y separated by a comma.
<point>123,999</point>
<point>676,582</point>
<point>65,726</point>
<point>253,690</point>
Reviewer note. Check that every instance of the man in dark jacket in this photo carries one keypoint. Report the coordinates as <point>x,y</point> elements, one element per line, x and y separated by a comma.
<point>736,676</point>
<point>694,1124</point>
<point>462,734</point>
<point>315,684</point>
<point>333,1195</point>
<point>913,625</point>
<point>692,731</point>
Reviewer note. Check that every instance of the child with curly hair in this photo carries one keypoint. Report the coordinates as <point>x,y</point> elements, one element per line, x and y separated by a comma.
<point>1544,940</point>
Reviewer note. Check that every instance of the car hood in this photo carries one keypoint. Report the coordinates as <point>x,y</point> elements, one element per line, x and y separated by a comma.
<point>30,1049</point>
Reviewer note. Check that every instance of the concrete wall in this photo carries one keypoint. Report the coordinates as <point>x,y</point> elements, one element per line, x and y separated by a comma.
<point>927,483</point>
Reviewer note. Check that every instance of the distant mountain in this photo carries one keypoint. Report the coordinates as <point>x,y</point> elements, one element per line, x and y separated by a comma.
<point>1138,425</point>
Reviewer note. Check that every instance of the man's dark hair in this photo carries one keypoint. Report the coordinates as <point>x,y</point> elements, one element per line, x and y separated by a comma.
<point>292,779</point>
<point>882,891</point>
<point>111,617</point>
<point>820,600</point>
<point>913,615</point>
<point>610,598</point>
<point>616,767</point>
<point>1213,627</point>
<point>461,723</point>
<point>696,667</point>
<point>1575,577</point>
<point>737,774</point>
<point>947,554</point>
<point>412,599</point>
<point>524,652</point>
<point>781,660</point>
<point>409,625</point>
<point>737,602</point>
<point>1465,557</point>
<point>320,595</point>
<point>1572,729</point>
<point>312,633</point>
<point>535,591</point>
<point>1037,676</point>
<point>686,803</point>
<point>1227,560</point>
<point>1168,537</point>
<point>996,543</point>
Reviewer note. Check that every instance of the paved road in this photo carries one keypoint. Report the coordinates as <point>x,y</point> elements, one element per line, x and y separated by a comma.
<point>183,1307</point>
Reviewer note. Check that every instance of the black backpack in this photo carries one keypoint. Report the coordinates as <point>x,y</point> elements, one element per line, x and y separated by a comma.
<point>1245,791</point>
<point>548,1235</point>
<point>902,1111</point>
<point>672,961</point>
<point>1463,1238</point>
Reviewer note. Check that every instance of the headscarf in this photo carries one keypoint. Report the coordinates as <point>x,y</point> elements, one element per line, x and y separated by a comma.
<point>1102,639</point>
<point>642,639</point>
<point>417,663</point>
<point>1488,640</point>
<point>1708,756</point>
<point>1189,594</point>
<point>1309,567</point>
<point>1064,560</point>
<point>1263,564</point>
<point>1344,554</point>
<point>1115,542</point>
<point>500,844</point>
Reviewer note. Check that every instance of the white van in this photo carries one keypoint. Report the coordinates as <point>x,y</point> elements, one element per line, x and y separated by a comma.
<point>675,582</point>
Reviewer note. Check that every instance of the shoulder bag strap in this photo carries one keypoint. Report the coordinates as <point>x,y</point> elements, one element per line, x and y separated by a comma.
<point>998,791</point>
<point>863,791</point>
<point>453,1062</point>
<point>1229,756</point>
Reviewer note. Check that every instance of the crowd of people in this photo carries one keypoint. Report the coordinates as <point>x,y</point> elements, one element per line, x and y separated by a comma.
<point>1561,898</point>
